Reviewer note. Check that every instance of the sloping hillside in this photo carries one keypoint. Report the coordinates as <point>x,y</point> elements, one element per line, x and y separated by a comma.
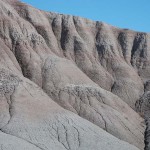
<point>66,79</point>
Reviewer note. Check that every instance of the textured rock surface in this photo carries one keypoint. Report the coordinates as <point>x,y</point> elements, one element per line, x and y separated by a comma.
<point>94,72</point>
<point>36,122</point>
<point>143,107</point>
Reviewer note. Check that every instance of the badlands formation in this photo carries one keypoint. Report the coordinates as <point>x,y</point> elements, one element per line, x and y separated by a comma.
<point>69,83</point>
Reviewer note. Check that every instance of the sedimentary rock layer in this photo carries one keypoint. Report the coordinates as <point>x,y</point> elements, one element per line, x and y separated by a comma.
<point>66,79</point>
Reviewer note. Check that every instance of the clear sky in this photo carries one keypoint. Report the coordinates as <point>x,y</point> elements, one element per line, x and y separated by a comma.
<point>132,14</point>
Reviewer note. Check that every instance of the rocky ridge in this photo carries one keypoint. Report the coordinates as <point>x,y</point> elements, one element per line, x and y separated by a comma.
<point>66,79</point>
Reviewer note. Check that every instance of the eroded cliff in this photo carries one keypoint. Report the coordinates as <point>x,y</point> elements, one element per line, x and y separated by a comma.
<point>70,79</point>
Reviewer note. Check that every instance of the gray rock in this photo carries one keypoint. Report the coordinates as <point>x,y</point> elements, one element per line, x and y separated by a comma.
<point>65,79</point>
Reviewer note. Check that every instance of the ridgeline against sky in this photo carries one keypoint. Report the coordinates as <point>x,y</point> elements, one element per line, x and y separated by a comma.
<point>132,14</point>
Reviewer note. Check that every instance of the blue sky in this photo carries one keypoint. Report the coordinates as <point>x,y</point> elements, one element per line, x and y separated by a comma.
<point>132,14</point>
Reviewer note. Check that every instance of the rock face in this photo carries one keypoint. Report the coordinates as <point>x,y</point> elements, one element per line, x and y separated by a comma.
<point>68,83</point>
<point>143,107</point>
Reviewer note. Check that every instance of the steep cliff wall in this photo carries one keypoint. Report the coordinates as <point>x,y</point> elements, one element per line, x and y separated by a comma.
<point>94,70</point>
